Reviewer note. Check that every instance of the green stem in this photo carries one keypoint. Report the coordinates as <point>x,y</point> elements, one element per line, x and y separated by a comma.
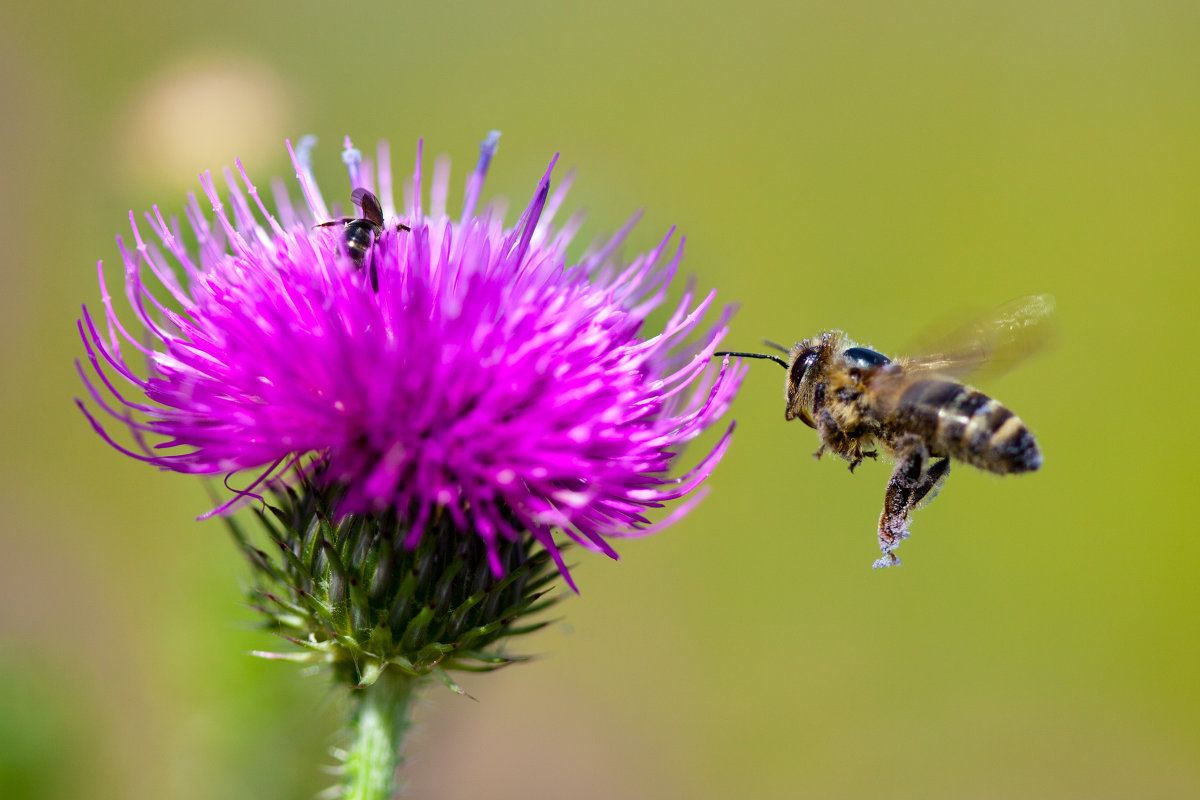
<point>379,722</point>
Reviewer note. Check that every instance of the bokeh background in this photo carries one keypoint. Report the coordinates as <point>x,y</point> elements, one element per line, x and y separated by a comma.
<point>864,165</point>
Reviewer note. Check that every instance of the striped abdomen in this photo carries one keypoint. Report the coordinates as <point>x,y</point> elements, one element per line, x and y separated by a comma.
<point>968,426</point>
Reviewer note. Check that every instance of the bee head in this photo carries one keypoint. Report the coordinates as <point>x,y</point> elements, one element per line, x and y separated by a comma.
<point>805,366</point>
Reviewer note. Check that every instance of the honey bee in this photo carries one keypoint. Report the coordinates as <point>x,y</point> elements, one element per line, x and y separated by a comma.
<point>358,235</point>
<point>916,409</point>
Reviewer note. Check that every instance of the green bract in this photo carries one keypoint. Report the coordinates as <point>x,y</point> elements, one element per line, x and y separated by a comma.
<point>354,598</point>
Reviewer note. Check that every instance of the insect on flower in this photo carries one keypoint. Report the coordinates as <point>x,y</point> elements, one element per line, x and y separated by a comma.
<point>358,235</point>
<point>916,408</point>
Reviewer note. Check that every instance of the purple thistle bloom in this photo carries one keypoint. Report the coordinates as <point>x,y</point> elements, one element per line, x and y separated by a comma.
<point>485,378</point>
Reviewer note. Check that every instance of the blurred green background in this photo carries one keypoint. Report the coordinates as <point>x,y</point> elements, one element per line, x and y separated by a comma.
<point>854,165</point>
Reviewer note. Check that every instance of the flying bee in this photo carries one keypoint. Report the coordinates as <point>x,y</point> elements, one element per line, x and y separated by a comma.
<point>916,409</point>
<point>358,235</point>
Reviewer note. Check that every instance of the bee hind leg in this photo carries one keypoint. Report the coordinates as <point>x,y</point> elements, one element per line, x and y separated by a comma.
<point>932,484</point>
<point>912,481</point>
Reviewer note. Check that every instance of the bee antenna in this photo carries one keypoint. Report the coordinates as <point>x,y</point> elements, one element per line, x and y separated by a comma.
<point>776,345</point>
<point>776,359</point>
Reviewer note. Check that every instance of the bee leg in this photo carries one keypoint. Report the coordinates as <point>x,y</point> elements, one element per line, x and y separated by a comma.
<point>910,482</point>
<point>371,271</point>
<point>934,479</point>
<point>835,439</point>
<point>859,454</point>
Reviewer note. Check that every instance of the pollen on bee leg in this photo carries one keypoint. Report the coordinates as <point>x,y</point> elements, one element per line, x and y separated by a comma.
<point>907,485</point>
<point>889,560</point>
<point>892,531</point>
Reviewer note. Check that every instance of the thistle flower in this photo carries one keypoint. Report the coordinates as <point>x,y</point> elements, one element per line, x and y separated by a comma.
<point>427,406</point>
<point>486,377</point>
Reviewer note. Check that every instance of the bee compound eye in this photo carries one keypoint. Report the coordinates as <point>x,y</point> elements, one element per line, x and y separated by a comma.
<point>865,357</point>
<point>800,364</point>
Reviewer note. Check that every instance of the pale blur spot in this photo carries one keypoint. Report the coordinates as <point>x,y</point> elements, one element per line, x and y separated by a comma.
<point>201,114</point>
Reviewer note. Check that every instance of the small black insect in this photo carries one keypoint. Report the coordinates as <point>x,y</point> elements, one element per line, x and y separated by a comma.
<point>360,234</point>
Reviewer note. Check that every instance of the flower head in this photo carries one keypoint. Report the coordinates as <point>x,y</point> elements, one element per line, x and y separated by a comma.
<point>451,373</point>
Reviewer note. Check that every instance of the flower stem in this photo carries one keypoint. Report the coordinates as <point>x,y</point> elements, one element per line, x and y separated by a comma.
<point>379,722</point>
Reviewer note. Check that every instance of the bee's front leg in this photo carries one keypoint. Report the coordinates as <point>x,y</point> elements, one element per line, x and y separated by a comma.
<point>860,454</point>
<point>912,481</point>
<point>835,439</point>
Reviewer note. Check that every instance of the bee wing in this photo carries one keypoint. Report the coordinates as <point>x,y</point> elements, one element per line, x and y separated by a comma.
<point>369,204</point>
<point>993,343</point>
